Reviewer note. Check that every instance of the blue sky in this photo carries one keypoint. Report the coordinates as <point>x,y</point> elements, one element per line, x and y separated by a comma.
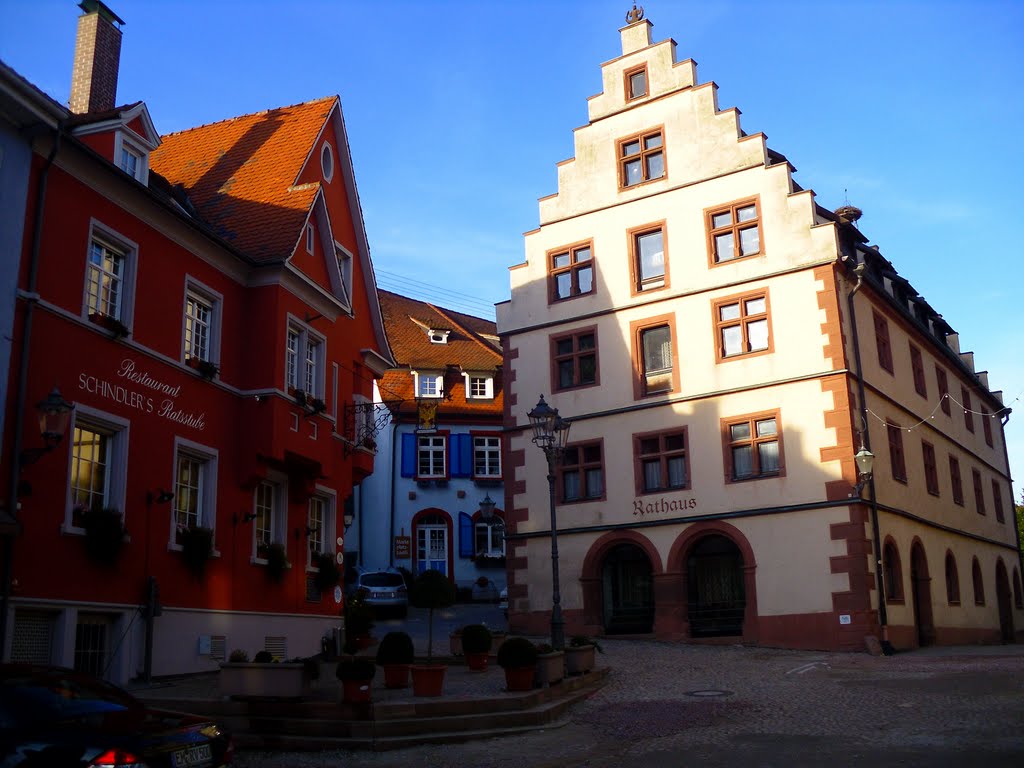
<point>458,112</point>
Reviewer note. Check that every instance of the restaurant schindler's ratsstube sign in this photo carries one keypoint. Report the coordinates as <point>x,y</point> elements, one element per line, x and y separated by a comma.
<point>147,394</point>
<point>661,506</point>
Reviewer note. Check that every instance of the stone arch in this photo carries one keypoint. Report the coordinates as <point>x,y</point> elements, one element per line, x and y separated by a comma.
<point>591,574</point>
<point>921,594</point>
<point>418,519</point>
<point>677,564</point>
<point>1004,602</point>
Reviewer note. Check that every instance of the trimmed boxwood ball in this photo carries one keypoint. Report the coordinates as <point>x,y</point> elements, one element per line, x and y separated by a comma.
<point>517,652</point>
<point>395,648</point>
<point>476,638</point>
<point>262,657</point>
<point>360,668</point>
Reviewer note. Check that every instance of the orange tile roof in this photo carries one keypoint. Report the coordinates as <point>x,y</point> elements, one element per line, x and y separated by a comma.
<point>239,173</point>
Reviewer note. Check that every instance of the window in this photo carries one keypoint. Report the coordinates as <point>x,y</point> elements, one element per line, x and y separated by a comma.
<point>753,447</point>
<point>99,457</point>
<point>575,359</point>
<point>105,278</point>
<point>882,342</point>
<point>309,238</point>
<point>202,323</point>
<point>489,538</point>
<point>479,387</point>
<point>129,161</point>
<point>636,82</point>
<point>931,473</point>
<point>734,231</point>
<point>327,162</point>
<point>917,367</point>
<point>653,356</point>
<point>965,397</point>
<point>195,488</point>
<point>660,461</point>
<point>892,573</point>
<point>571,271</point>
<point>269,525</point>
<point>954,478</point>
<point>986,426</point>
<point>741,325</point>
<point>896,458</point>
<point>430,456</point>
<point>429,385</point>
<point>320,522</point>
<point>438,335</point>
<point>952,581</point>
<point>641,158</point>
<point>648,260</point>
<point>979,493</point>
<point>943,384</point>
<point>997,501</point>
<point>581,474</point>
<point>131,157</point>
<point>487,456</point>
<point>304,360</point>
<point>979,585</point>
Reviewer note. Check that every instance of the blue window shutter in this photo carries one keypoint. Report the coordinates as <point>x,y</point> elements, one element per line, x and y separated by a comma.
<point>408,455</point>
<point>466,544</point>
<point>461,455</point>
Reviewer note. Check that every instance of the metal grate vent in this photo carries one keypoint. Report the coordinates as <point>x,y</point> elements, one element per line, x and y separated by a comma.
<point>276,646</point>
<point>33,633</point>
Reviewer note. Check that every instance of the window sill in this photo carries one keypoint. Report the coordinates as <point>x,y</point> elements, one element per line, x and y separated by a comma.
<point>954,602</point>
<point>487,482</point>
<point>767,476</point>
<point>628,187</point>
<point>894,601</point>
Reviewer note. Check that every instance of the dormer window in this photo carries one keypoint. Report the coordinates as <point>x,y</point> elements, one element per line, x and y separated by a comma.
<point>438,335</point>
<point>479,386</point>
<point>429,384</point>
<point>131,157</point>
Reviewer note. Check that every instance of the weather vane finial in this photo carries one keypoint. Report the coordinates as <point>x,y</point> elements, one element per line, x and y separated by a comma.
<point>635,15</point>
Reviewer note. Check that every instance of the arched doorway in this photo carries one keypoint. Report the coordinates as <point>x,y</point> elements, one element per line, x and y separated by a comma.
<point>716,595</point>
<point>627,591</point>
<point>432,532</point>
<point>921,594</point>
<point>1005,606</point>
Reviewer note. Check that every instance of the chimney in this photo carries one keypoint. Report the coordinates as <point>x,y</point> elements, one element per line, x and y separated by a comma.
<point>97,57</point>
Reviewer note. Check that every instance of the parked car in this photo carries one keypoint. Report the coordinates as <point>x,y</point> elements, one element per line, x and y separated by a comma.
<point>381,590</point>
<point>52,717</point>
<point>503,601</point>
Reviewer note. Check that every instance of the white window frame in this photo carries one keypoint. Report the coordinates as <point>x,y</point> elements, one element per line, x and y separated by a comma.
<point>488,386</point>
<point>329,497</point>
<point>297,366</point>
<point>488,448</point>
<point>196,290</point>
<point>492,550</point>
<point>309,238</point>
<point>104,235</point>
<point>431,447</point>
<point>124,142</point>
<point>432,382</point>
<point>327,161</point>
<point>344,259</point>
<point>208,458</point>
<point>278,513</point>
<point>118,432</point>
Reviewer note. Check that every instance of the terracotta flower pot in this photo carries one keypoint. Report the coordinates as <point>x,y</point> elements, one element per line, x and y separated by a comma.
<point>356,691</point>
<point>550,668</point>
<point>428,679</point>
<point>579,659</point>
<point>477,661</point>
<point>396,675</point>
<point>520,678</point>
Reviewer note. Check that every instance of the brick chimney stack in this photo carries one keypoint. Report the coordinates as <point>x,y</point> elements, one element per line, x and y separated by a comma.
<point>97,58</point>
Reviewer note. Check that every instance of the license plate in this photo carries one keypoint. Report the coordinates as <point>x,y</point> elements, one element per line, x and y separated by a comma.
<point>383,595</point>
<point>198,755</point>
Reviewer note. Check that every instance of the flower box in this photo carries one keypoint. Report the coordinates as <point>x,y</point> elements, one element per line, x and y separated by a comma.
<point>286,680</point>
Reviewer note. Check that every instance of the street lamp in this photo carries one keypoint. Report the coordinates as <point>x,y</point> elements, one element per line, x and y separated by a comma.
<point>550,434</point>
<point>865,461</point>
<point>487,508</point>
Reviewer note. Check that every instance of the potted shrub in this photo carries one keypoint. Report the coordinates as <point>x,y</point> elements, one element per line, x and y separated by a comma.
<point>579,654</point>
<point>277,560</point>
<point>116,328</point>
<point>431,590</point>
<point>328,574</point>
<point>476,644</point>
<point>395,654</point>
<point>550,665</point>
<point>196,548</point>
<point>104,535</point>
<point>356,674</point>
<point>518,657</point>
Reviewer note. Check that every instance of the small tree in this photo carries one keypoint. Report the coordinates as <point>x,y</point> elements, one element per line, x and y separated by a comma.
<point>431,590</point>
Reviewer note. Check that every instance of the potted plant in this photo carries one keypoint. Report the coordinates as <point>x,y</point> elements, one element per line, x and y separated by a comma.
<point>104,534</point>
<point>579,654</point>
<point>550,665</point>
<point>356,674</point>
<point>395,654</point>
<point>476,644</point>
<point>431,590</point>
<point>328,574</point>
<point>196,548</point>
<point>518,657</point>
<point>277,560</point>
<point>116,328</point>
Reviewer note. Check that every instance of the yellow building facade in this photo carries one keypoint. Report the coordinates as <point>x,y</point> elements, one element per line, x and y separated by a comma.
<point>723,347</point>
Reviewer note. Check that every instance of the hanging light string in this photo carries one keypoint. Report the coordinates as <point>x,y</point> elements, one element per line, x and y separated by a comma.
<point>947,396</point>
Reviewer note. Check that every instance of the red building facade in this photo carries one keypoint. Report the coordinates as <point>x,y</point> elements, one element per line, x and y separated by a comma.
<point>207,302</point>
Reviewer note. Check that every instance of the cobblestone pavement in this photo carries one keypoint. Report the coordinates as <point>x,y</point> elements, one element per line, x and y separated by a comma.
<point>672,705</point>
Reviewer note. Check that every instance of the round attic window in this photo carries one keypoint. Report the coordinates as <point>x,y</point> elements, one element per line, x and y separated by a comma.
<point>327,161</point>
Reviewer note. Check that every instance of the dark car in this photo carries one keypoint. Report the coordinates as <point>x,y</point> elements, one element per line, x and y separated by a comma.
<point>53,717</point>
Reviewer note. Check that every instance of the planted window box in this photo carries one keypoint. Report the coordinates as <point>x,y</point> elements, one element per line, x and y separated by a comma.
<point>266,680</point>
<point>109,323</point>
<point>205,368</point>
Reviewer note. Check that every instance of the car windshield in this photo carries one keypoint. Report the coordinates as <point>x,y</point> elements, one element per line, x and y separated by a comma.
<point>382,580</point>
<point>55,697</point>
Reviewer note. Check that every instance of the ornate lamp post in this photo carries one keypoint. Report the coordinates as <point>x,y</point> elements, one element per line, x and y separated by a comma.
<point>550,434</point>
<point>487,508</point>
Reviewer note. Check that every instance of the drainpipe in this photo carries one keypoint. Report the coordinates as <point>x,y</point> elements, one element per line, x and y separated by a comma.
<point>394,452</point>
<point>866,438</point>
<point>21,388</point>
<point>1003,420</point>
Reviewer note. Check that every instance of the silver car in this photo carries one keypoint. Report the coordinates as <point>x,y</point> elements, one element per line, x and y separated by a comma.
<point>382,590</point>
